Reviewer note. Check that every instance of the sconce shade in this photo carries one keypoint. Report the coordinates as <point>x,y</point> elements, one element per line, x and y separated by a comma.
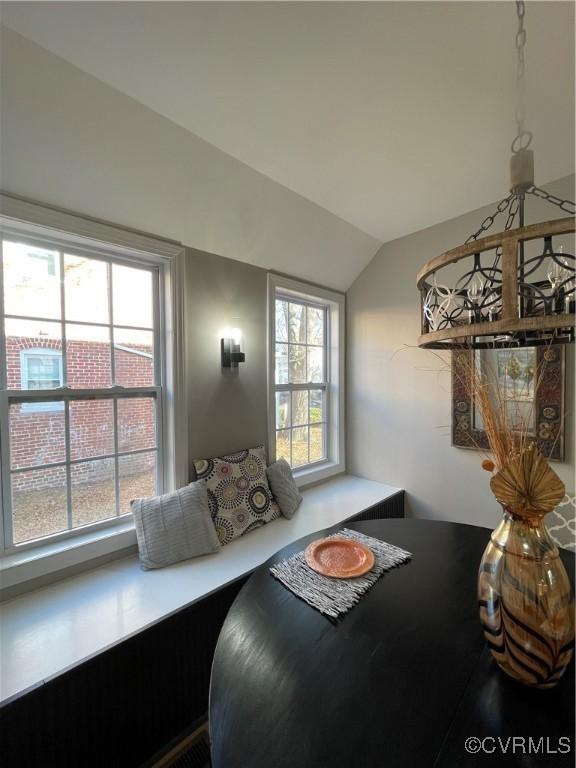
<point>231,352</point>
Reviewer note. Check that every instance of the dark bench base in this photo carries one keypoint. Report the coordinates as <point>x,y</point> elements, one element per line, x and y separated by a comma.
<point>125,704</point>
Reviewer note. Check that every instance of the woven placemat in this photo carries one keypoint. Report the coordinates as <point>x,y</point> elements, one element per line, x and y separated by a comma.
<point>334,597</point>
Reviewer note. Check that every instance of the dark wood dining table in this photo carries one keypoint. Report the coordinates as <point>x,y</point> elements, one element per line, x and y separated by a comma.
<point>403,679</point>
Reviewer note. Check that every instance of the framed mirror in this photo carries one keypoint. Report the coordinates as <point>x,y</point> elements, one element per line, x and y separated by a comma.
<point>532,381</point>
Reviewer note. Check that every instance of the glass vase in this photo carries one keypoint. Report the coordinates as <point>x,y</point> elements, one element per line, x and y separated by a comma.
<point>526,602</point>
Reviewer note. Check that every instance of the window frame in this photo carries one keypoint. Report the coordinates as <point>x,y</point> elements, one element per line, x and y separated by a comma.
<point>284,288</point>
<point>65,395</point>
<point>37,224</point>
<point>307,386</point>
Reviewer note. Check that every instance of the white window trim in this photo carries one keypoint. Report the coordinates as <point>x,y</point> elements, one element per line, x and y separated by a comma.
<point>24,355</point>
<point>19,216</point>
<point>335,463</point>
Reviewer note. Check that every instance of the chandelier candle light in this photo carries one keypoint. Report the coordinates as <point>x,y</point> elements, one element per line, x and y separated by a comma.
<point>513,288</point>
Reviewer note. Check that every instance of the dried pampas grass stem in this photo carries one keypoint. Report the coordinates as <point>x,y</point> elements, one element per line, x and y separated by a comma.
<point>523,480</point>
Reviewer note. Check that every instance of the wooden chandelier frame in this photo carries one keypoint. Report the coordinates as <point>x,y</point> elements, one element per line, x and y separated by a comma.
<point>510,320</point>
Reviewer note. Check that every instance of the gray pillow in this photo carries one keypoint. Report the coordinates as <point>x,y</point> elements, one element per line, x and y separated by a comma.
<point>174,527</point>
<point>283,487</point>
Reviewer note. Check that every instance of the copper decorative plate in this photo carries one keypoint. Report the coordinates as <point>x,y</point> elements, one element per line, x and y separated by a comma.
<point>339,558</point>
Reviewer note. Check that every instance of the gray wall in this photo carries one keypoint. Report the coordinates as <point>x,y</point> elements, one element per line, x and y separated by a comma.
<point>398,416</point>
<point>227,408</point>
<point>70,140</point>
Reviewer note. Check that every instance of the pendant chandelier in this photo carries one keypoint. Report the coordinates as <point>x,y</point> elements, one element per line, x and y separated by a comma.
<point>515,288</point>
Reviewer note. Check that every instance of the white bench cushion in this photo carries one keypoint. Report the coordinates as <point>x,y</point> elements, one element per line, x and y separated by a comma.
<point>51,629</point>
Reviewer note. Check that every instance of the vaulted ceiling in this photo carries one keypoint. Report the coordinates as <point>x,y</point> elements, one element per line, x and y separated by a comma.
<point>391,115</point>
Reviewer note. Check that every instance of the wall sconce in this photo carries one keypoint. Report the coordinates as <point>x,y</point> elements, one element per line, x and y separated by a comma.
<point>231,348</point>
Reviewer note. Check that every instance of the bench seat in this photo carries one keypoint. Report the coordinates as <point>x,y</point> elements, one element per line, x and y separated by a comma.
<point>59,627</point>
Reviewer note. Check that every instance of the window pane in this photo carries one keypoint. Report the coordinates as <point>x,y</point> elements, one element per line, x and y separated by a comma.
<point>38,503</point>
<point>299,446</point>
<point>67,315</point>
<point>297,364</point>
<point>299,407</point>
<point>36,436</point>
<point>281,364</point>
<point>136,425</point>
<point>91,428</point>
<point>42,371</point>
<point>315,326</point>
<point>134,357</point>
<point>137,478</point>
<point>28,338</point>
<point>86,289</point>
<point>316,405</point>
<point>93,491</point>
<point>315,364</point>
<point>282,410</point>
<point>31,280</point>
<point>88,356</point>
<point>132,292</point>
<point>317,452</point>
<point>297,323</point>
<point>281,320</point>
<point>283,445</point>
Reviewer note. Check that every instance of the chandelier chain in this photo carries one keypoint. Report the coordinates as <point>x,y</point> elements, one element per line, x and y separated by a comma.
<point>523,137</point>
<point>485,305</point>
<point>565,205</point>
<point>511,204</point>
<point>502,206</point>
<point>512,213</point>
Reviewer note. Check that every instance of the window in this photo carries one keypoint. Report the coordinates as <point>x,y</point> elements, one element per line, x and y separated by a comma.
<point>83,388</point>
<point>47,259</point>
<point>306,378</point>
<point>300,380</point>
<point>41,369</point>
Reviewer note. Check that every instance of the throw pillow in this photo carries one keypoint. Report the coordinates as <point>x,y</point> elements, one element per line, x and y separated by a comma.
<point>174,527</point>
<point>283,487</point>
<point>561,523</point>
<point>239,496</point>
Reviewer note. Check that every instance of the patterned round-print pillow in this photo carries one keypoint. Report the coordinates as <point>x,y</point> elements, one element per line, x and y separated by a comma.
<point>239,496</point>
<point>212,503</point>
<point>242,483</point>
<point>240,519</point>
<point>204,468</point>
<point>224,470</point>
<point>259,500</point>
<point>253,526</point>
<point>224,530</point>
<point>236,458</point>
<point>228,495</point>
<point>252,468</point>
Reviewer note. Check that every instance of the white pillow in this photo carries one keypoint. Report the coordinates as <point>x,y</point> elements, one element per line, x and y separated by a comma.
<point>174,527</point>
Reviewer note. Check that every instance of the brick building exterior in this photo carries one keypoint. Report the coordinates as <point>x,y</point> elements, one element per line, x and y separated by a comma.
<point>37,430</point>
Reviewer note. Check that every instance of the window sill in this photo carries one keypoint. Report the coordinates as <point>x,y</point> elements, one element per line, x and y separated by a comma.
<point>316,474</point>
<point>61,626</point>
<point>32,568</point>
